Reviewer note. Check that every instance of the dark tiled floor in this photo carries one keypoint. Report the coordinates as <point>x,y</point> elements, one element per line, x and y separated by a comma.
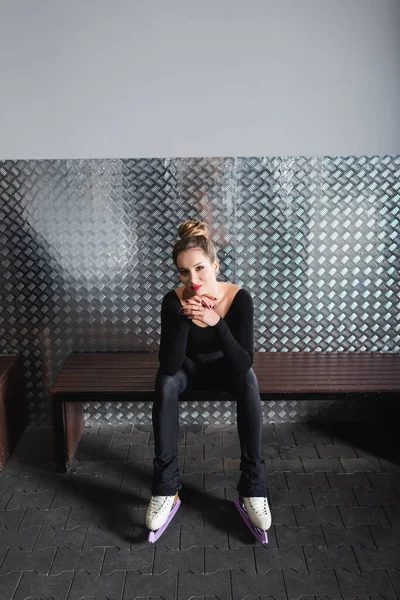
<point>335,501</point>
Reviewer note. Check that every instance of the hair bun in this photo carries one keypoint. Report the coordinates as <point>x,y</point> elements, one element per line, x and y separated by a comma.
<point>192,229</point>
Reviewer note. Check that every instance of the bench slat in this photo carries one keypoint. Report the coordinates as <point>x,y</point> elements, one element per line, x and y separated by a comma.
<point>276,372</point>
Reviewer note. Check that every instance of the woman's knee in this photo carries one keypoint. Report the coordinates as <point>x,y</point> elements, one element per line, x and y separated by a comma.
<point>169,385</point>
<point>246,382</point>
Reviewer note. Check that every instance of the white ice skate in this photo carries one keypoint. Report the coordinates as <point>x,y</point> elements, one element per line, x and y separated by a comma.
<point>160,512</point>
<point>256,514</point>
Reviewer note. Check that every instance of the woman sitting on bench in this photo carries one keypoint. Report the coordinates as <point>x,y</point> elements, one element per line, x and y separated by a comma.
<point>207,343</point>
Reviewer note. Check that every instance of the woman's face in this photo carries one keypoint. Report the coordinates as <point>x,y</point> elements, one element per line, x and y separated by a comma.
<point>195,270</point>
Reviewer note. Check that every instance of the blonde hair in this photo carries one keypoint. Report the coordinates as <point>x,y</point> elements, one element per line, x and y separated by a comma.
<point>194,234</point>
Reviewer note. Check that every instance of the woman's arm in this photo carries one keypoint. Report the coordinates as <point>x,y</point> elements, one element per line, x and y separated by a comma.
<point>174,334</point>
<point>238,340</point>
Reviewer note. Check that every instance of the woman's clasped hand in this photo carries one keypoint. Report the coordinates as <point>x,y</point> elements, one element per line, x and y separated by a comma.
<point>201,308</point>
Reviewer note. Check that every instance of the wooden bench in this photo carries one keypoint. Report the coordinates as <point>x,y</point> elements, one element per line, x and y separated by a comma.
<point>118,376</point>
<point>13,414</point>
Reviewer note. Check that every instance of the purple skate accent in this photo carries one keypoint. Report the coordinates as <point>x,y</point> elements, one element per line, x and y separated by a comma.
<point>154,535</point>
<point>258,533</point>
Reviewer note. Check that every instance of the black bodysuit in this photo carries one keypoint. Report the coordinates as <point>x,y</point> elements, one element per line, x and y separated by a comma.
<point>181,338</point>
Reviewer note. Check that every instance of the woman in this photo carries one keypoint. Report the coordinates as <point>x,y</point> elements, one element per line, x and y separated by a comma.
<point>206,342</point>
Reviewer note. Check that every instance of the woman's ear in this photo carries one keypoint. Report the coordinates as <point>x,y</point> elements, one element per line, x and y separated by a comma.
<point>216,267</point>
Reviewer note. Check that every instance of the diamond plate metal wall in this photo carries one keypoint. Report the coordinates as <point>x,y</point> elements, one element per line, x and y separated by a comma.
<point>85,248</point>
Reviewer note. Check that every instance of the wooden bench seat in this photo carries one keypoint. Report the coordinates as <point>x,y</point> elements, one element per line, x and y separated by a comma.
<point>116,376</point>
<point>13,413</point>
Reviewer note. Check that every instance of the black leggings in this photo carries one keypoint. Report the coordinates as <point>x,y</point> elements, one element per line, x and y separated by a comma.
<point>215,375</point>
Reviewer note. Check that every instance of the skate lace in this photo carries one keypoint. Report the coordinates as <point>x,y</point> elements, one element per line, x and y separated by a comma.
<point>158,503</point>
<point>259,505</point>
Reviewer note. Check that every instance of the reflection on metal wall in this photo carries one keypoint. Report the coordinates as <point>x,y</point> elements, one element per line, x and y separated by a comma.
<point>85,248</point>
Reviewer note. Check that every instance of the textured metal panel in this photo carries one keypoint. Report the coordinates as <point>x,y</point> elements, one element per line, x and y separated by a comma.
<point>85,248</point>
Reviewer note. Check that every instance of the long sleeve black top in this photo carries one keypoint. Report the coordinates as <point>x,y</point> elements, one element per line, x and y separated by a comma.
<point>233,334</point>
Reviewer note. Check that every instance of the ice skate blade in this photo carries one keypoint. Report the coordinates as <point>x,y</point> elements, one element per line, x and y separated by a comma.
<point>258,534</point>
<point>154,535</point>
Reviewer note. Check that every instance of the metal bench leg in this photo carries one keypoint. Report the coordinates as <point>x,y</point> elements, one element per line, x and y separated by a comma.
<point>74,426</point>
<point>60,457</point>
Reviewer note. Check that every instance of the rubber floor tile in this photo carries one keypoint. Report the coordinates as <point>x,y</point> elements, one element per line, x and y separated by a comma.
<point>279,465</point>
<point>70,560</point>
<point>363,465</point>
<point>210,465</point>
<point>268,559</point>
<point>300,497</point>
<point>24,540</point>
<point>219,560</point>
<point>383,496</point>
<point>342,497</point>
<point>303,451</point>
<point>339,536</point>
<point>327,515</point>
<point>35,500</point>
<point>139,452</point>
<point>88,516</point>
<point>375,584</point>
<point>272,451</point>
<point>335,451</point>
<point>104,586</point>
<point>106,454</point>
<point>151,586</point>
<point>56,518</point>
<point>385,536</point>
<point>297,481</point>
<point>187,515</point>
<point>390,466</point>
<point>55,586</point>
<point>212,451</point>
<point>387,557</point>
<point>134,439</point>
<point>317,465</point>
<point>299,536</point>
<point>14,483</point>
<point>168,560</point>
<point>212,481</point>
<point>284,515</point>
<point>311,437</point>
<point>218,585</point>
<point>121,560</point>
<point>97,537</point>
<point>12,519</point>
<point>196,536</point>
<point>214,439</point>
<point>194,482</point>
<point>393,514</point>
<point>394,576</point>
<point>3,552</point>
<point>370,515</point>
<point>320,559</point>
<point>8,585</point>
<point>100,438</point>
<point>50,537</point>
<point>382,480</point>
<point>318,584</point>
<point>4,499</point>
<point>278,480</point>
<point>70,499</point>
<point>170,538</point>
<point>337,481</point>
<point>268,585</point>
<point>20,560</point>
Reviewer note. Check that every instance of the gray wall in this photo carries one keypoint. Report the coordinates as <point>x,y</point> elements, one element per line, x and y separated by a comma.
<point>125,78</point>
